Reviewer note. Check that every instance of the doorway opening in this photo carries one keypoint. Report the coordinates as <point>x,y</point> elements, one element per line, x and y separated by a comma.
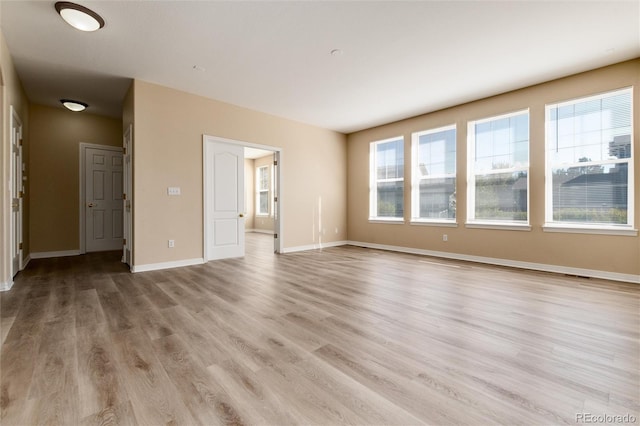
<point>100,206</point>
<point>242,187</point>
<point>17,192</point>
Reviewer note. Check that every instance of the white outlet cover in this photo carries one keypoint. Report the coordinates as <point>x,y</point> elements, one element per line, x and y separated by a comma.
<point>173,190</point>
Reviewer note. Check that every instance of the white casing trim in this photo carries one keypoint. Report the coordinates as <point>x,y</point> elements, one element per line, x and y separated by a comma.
<point>50,254</point>
<point>315,246</point>
<point>167,265</point>
<point>6,286</point>
<point>593,273</point>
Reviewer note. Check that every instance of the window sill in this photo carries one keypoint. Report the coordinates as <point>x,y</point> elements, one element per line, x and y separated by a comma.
<point>446,224</point>
<point>506,226</point>
<point>581,229</point>
<point>392,221</point>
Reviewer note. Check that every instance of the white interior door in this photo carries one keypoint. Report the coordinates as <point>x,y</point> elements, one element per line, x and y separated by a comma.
<point>224,198</point>
<point>17,191</point>
<point>276,202</point>
<point>127,197</point>
<point>103,199</point>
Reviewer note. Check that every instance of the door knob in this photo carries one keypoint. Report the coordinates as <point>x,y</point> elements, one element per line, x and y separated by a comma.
<point>90,205</point>
<point>241,215</point>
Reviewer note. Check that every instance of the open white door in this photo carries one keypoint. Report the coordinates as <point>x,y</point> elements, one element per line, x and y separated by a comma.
<point>224,199</point>
<point>103,198</point>
<point>276,202</point>
<point>16,193</point>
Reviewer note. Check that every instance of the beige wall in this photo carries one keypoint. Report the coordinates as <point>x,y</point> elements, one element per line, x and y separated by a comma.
<point>56,135</point>
<point>12,95</point>
<point>168,130</point>
<point>618,254</point>
<point>249,196</point>
<point>262,222</point>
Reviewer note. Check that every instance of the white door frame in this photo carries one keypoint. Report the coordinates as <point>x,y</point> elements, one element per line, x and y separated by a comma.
<point>127,210</point>
<point>205,200</point>
<point>83,188</point>
<point>16,182</point>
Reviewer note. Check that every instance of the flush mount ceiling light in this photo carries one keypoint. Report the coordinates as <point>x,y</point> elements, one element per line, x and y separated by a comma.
<point>79,17</point>
<point>72,105</point>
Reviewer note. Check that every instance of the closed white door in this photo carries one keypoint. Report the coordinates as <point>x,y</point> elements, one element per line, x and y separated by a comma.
<point>103,199</point>
<point>17,190</point>
<point>224,198</point>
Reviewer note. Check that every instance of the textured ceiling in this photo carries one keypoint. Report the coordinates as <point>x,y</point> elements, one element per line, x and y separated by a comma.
<point>398,59</point>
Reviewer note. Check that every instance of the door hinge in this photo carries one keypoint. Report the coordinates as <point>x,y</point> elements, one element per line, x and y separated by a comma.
<point>20,246</point>
<point>275,162</point>
<point>124,150</point>
<point>275,236</point>
<point>275,199</point>
<point>20,194</point>
<point>124,241</point>
<point>124,196</point>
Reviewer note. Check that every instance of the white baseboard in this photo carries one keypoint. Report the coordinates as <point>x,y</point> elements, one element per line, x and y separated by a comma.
<point>314,246</point>
<point>26,261</point>
<point>6,286</point>
<point>50,254</point>
<point>593,273</point>
<point>167,265</point>
<point>263,231</point>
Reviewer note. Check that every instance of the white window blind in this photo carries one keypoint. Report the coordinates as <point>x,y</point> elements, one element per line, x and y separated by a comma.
<point>590,161</point>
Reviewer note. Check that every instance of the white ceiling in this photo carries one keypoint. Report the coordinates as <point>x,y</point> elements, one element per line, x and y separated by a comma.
<point>399,58</point>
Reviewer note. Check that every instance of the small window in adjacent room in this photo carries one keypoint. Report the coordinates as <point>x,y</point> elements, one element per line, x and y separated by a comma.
<point>589,172</point>
<point>262,191</point>
<point>498,170</point>
<point>433,185</point>
<point>387,180</point>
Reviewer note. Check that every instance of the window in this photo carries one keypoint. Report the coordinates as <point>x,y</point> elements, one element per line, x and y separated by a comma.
<point>590,161</point>
<point>433,186</point>
<point>498,164</point>
<point>387,179</point>
<point>262,192</point>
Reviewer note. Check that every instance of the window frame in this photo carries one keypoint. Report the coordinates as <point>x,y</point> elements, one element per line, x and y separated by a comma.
<point>259,191</point>
<point>373,181</point>
<point>416,178</point>
<point>589,227</point>
<point>471,221</point>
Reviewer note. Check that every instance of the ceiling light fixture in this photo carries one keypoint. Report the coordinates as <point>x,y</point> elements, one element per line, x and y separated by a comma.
<point>79,17</point>
<point>72,105</point>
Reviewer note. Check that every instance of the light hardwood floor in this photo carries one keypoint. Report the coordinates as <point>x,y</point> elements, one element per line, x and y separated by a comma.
<point>340,336</point>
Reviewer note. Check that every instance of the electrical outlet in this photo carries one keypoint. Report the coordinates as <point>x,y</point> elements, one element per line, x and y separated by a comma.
<point>172,243</point>
<point>173,190</point>
<point>444,237</point>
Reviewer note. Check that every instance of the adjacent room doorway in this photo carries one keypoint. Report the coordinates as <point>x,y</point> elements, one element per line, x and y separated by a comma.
<point>224,195</point>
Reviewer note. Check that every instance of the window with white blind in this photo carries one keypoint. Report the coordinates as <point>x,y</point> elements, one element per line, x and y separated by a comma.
<point>262,190</point>
<point>433,185</point>
<point>589,171</point>
<point>498,170</point>
<point>386,173</point>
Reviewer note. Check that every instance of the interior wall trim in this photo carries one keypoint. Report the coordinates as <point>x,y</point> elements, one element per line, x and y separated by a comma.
<point>6,286</point>
<point>167,265</point>
<point>591,273</point>
<point>315,246</point>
